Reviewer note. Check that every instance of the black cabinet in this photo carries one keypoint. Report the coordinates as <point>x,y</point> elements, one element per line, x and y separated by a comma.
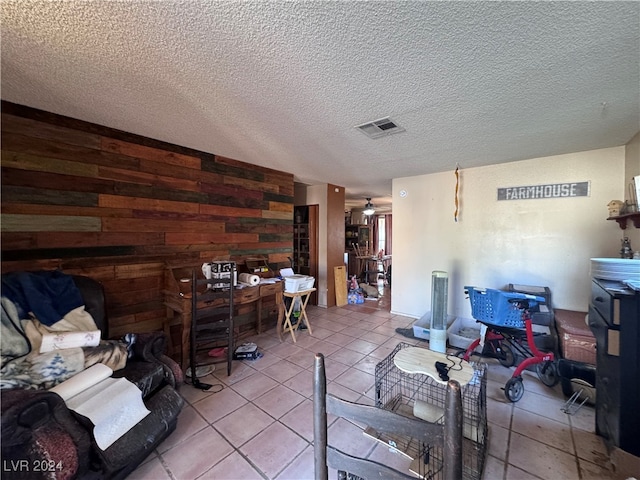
<point>614,319</point>
<point>305,242</point>
<point>360,236</point>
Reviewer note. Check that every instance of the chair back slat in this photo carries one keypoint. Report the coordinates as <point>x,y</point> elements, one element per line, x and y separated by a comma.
<point>447,436</point>
<point>360,467</point>
<point>385,421</point>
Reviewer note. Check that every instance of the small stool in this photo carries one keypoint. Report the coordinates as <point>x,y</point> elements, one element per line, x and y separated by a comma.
<point>286,325</point>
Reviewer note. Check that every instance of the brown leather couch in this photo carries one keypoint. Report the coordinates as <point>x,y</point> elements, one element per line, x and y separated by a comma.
<point>42,438</point>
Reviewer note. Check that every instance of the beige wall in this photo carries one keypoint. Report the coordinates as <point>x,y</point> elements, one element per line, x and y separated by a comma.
<point>532,242</point>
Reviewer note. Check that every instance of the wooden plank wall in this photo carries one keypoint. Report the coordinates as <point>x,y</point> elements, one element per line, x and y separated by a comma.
<point>116,206</point>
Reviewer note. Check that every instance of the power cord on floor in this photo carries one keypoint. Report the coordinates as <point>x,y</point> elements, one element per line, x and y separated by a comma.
<point>193,379</point>
<point>205,387</point>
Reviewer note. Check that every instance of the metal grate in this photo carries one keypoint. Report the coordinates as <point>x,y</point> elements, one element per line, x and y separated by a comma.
<point>400,392</point>
<point>380,128</point>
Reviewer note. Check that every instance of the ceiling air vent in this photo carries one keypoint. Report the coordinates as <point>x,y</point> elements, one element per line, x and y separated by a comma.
<point>380,128</point>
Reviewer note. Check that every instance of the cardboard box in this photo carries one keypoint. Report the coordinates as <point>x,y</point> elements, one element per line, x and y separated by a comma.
<point>577,343</point>
<point>421,328</point>
<point>578,348</point>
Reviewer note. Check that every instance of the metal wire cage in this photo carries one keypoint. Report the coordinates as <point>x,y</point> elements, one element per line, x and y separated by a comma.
<point>407,394</point>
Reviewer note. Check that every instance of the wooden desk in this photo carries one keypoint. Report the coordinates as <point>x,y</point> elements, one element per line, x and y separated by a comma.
<point>177,300</point>
<point>286,326</point>
<point>423,360</point>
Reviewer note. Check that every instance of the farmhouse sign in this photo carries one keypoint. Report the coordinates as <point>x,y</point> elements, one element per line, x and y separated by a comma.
<point>551,190</point>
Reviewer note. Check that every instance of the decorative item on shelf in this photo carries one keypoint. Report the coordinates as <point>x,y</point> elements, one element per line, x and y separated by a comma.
<point>626,251</point>
<point>615,207</point>
<point>368,208</point>
<point>629,207</point>
<point>634,194</point>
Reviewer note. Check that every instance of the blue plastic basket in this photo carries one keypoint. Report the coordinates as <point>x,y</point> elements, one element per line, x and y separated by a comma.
<point>497,307</point>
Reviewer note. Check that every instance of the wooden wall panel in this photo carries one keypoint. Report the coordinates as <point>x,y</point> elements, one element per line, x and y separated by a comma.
<point>36,129</point>
<point>118,207</point>
<point>44,164</point>
<point>49,223</point>
<point>45,196</point>
<point>8,206</point>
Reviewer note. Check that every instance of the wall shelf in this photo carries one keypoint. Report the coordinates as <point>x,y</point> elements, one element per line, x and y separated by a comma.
<point>622,219</point>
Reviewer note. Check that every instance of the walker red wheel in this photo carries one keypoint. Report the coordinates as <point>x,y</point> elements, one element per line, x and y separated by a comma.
<point>548,373</point>
<point>514,389</point>
<point>506,357</point>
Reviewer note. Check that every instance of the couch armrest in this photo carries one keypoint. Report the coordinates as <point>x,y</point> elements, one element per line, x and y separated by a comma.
<point>40,433</point>
<point>149,346</point>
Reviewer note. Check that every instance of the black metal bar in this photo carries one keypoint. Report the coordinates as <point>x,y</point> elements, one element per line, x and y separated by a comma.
<point>192,350</point>
<point>230,343</point>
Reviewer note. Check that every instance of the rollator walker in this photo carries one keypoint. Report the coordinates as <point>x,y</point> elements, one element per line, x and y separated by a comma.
<point>509,331</point>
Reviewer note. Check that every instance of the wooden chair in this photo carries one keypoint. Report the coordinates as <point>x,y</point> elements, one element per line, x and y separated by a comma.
<point>447,435</point>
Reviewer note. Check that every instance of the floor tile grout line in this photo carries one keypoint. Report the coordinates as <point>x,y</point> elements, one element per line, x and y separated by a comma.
<point>575,448</point>
<point>508,452</point>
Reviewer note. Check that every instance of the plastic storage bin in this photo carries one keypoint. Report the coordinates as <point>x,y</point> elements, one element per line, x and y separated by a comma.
<point>422,327</point>
<point>298,283</point>
<point>463,332</point>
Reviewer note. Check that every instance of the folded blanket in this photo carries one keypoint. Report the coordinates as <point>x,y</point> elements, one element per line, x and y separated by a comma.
<point>48,295</point>
<point>14,342</point>
<point>23,364</point>
<point>43,371</point>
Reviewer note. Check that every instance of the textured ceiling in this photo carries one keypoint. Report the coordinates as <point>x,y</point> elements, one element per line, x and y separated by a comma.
<point>282,84</point>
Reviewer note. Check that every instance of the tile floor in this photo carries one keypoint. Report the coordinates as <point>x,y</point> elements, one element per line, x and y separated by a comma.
<point>259,425</point>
